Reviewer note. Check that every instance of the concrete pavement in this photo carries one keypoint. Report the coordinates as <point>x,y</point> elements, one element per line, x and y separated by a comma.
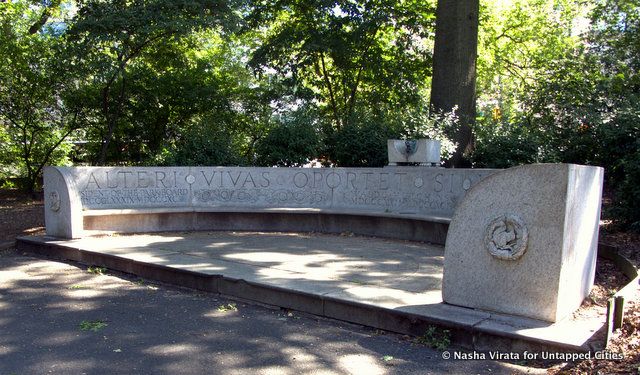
<point>148,328</point>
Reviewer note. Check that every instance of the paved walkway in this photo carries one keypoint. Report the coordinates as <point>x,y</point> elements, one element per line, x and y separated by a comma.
<point>388,284</point>
<point>56,318</point>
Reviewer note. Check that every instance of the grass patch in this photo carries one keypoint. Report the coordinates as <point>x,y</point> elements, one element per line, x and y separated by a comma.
<point>77,286</point>
<point>97,270</point>
<point>228,307</point>
<point>436,338</point>
<point>92,325</point>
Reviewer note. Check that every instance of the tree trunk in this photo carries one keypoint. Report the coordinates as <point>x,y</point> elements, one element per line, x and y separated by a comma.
<point>454,69</point>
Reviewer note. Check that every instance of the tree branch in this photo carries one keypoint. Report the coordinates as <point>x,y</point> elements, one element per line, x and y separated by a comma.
<point>330,88</point>
<point>351,101</point>
<point>44,17</point>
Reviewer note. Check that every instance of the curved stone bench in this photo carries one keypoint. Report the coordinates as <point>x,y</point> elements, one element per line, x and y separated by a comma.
<point>521,241</point>
<point>396,202</point>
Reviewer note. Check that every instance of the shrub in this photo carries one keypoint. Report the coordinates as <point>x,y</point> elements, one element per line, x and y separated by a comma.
<point>292,142</point>
<point>504,145</point>
<point>203,144</point>
<point>626,200</point>
<point>361,144</point>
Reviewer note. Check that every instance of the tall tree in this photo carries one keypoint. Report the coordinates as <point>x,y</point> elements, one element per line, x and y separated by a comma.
<point>36,119</point>
<point>454,69</point>
<point>349,54</point>
<point>110,35</point>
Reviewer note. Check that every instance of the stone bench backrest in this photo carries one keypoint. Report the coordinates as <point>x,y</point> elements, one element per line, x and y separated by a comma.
<point>418,191</point>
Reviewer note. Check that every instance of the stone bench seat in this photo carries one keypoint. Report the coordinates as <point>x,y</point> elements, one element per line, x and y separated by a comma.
<point>285,210</point>
<point>409,226</point>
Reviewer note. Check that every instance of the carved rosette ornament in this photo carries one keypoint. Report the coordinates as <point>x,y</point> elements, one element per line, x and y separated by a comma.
<point>506,237</point>
<point>54,201</point>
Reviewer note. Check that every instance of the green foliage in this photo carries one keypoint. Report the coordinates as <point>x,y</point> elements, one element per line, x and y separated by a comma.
<point>614,43</point>
<point>362,142</point>
<point>418,122</point>
<point>228,307</point>
<point>108,37</point>
<point>505,145</point>
<point>77,286</point>
<point>168,90</point>
<point>561,92</point>
<point>529,81</point>
<point>92,325</point>
<point>6,154</point>
<point>35,120</point>
<point>436,338</point>
<point>626,203</point>
<point>518,41</point>
<point>97,270</point>
<point>348,57</point>
<point>292,142</point>
<point>203,144</point>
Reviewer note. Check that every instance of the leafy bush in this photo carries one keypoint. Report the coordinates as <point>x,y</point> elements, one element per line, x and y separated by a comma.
<point>292,142</point>
<point>436,338</point>
<point>504,145</point>
<point>626,201</point>
<point>203,144</point>
<point>418,122</point>
<point>361,143</point>
<point>574,117</point>
<point>7,167</point>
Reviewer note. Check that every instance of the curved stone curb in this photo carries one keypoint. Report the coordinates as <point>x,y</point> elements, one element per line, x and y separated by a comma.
<point>615,304</point>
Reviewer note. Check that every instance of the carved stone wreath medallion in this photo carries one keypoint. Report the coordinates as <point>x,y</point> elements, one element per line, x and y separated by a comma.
<point>54,201</point>
<point>506,237</point>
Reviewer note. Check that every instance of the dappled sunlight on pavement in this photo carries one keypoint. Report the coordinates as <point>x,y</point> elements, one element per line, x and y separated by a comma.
<point>141,327</point>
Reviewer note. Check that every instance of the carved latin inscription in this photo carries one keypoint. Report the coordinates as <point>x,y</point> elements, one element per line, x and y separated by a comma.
<point>133,197</point>
<point>420,191</point>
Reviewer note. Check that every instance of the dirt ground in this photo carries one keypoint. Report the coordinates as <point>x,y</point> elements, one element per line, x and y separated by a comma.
<point>608,281</point>
<point>19,215</point>
<point>22,215</point>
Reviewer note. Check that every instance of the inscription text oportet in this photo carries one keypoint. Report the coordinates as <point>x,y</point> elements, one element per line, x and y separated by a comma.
<point>416,190</point>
